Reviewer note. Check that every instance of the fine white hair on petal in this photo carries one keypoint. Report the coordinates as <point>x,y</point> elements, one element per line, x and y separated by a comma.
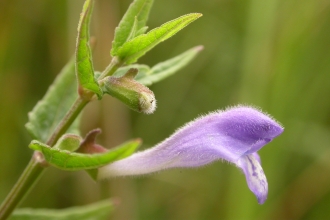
<point>257,108</point>
<point>228,108</point>
<point>234,135</point>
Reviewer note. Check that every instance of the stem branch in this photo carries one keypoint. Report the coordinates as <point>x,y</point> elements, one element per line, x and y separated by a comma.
<point>111,68</point>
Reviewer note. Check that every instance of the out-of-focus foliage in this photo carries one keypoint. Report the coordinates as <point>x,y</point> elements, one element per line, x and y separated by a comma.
<point>100,211</point>
<point>273,54</point>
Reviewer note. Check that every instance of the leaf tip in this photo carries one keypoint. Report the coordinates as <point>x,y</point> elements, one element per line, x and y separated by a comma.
<point>34,145</point>
<point>199,48</point>
<point>195,15</point>
<point>137,141</point>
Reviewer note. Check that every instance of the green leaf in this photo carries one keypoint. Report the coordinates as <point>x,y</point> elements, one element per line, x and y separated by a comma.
<point>96,211</point>
<point>142,70</point>
<point>72,161</point>
<point>130,51</point>
<point>160,71</point>
<point>49,111</point>
<point>134,30</point>
<point>168,67</point>
<point>84,64</point>
<point>139,11</point>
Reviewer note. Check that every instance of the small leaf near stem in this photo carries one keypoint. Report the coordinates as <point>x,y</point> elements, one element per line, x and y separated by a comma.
<point>84,64</point>
<point>148,76</point>
<point>168,67</point>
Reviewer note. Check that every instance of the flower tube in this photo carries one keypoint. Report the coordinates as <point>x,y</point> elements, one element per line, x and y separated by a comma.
<point>234,135</point>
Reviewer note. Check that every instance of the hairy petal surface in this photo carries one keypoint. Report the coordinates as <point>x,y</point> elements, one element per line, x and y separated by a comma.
<point>234,135</point>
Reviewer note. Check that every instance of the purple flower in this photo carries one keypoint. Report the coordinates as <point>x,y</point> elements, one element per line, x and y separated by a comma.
<point>234,135</point>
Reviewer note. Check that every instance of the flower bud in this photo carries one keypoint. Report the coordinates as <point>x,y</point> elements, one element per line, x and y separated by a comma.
<point>135,95</point>
<point>68,142</point>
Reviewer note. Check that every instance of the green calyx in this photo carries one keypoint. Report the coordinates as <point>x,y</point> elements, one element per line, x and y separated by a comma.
<point>132,93</point>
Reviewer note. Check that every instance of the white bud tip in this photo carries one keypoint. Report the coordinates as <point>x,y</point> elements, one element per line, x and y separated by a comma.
<point>147,103</point>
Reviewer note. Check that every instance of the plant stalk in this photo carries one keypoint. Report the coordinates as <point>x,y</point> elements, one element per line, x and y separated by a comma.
<point>29,176</point>
<point>111,68</point>
<point>36,165</point>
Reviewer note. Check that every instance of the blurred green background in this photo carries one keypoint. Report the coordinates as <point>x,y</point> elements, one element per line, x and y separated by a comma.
<point>269,53</point>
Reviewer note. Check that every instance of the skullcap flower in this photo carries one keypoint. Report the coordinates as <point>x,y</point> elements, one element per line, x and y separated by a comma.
<point>234,135</point>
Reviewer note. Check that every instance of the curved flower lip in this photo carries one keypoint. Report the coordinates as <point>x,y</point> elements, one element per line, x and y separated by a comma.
<point>235,135</point>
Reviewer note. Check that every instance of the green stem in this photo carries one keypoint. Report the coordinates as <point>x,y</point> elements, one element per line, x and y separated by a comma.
<point>111,68</point>
<point>29,176</point>
<point>35,167</point>
<point>68,119</point>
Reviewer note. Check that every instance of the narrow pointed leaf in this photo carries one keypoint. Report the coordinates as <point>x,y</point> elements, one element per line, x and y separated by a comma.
<point>98,211</point>
<point>84,64</point>
<point>160,71</point>
<point>138,10</point>
<point>168,67</point>
<point>67,160</point>
<point>48,112</point>
<point>130,51</point>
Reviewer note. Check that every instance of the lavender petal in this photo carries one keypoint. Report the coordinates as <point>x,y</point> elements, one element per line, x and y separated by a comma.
<point>255,176</point>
